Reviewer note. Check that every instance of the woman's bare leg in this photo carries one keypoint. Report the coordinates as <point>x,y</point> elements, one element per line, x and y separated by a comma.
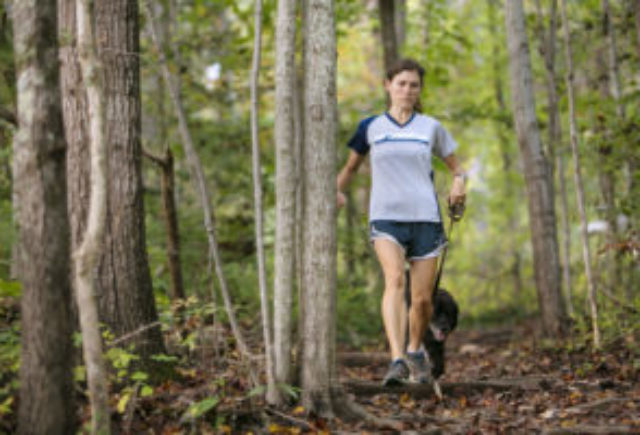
<point>394,308</point>
<point>422,280</point>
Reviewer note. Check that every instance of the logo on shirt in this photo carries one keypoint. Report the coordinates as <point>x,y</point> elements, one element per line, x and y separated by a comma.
<point>401,137</point>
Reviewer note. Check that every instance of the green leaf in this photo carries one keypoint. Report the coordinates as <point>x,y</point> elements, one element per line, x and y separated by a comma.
<point>200,408</point>
<point>146,391</point>
<point>122,403</point>
<point>162,357</point>
<point>257,391</point>
<point>139,376</point>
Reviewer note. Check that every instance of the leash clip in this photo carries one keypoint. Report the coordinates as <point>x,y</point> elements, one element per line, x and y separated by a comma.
<point>456,211</point>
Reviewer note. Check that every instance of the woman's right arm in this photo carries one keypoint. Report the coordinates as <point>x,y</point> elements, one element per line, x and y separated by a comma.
<point>346,173</point>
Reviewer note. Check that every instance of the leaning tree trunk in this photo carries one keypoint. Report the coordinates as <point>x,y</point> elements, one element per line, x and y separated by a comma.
<point>573,132</point>
<point>320,208</point>
<point>46,387</point>
<point>285,189</point>
<point>538,178</point>
<point>197,177</point>
<point>125,294</point>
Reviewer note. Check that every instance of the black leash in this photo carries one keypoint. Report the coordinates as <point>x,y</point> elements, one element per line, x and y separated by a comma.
<point>455,214</point>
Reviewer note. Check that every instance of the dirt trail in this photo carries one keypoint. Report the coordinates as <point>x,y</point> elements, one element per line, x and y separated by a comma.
<point>508,381</point>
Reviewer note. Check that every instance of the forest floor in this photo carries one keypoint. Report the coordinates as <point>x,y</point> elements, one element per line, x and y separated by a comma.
<point>500,380</point>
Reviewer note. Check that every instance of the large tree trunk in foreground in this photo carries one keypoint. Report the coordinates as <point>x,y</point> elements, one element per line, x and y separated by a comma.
<point>46,388</point>
<point>285,189</point>
<point>542,219</point>
<point>320,208</point>
<point>125,293</point>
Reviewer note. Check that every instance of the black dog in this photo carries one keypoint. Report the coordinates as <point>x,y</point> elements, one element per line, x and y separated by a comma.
<point>443,320</point>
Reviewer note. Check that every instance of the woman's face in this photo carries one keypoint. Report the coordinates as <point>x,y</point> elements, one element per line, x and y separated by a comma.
<point>403,89</point>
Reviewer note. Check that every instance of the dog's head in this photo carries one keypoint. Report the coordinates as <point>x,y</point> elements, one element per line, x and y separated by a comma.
<point>445,315</point>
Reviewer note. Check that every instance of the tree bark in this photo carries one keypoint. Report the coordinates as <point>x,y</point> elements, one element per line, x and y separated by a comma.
<point>285,188</point>
<point>573,133</point>
<point>125,294</point>
<point>320,208</point>
<point>87,255</point>
<point>556,150</point>
<point>272,391</point>
<point>538,178</point>
<point>387,14</point>
<point>39,149</point>
<point>167,187</point>
<point>501,126</point>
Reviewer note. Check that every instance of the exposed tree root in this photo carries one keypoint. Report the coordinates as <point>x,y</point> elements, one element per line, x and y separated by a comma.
<point>360,388</point>
<point>348,410</point>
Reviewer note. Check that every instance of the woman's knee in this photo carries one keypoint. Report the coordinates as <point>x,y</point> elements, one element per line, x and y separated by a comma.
<point>422,301</point>
<point>394,280</point>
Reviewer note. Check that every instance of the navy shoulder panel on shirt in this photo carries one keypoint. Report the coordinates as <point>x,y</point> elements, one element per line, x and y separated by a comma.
<point>358,142</point>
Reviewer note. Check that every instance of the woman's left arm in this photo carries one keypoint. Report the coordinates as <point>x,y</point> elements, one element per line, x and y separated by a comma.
<point>457,195</point>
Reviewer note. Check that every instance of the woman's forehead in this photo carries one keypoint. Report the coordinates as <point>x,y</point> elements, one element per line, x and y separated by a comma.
<point>407,75</point>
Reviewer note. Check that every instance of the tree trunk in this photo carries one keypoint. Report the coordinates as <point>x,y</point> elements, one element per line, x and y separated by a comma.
<point>386,10</point>
<point>87,255</point>
<point>167,187</point>
<point>573,132</point>
<point>125,294</point>
<point>556,150</point>
<point>400,12</point>
<point>285,188</point>
<point>537,176</point>
<point>320,208</point>
<point>272,391</point>
<point>501,126</point>
<point>46,386</point>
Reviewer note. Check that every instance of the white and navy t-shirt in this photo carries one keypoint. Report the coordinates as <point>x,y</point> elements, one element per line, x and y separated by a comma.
<point>401,183</point>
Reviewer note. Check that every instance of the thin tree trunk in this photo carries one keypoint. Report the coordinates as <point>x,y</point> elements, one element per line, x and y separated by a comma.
<point>507,164</point>
<point>556,150</point>
<point>614,69</point>
<point>87,255</point>
<point>537,176</point>
<point>578,179</point>
<point>167,187</point>
<point>46,386</point>
<point>400,24</point>
<point>386,11</point>
<point>285,188</point>
<point>272,391</point>
<point>197,176</point>
<point>636,11</point>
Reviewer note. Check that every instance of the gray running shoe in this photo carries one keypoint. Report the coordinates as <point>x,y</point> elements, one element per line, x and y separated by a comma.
<point>420,367</point>
<point>396,375</point>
